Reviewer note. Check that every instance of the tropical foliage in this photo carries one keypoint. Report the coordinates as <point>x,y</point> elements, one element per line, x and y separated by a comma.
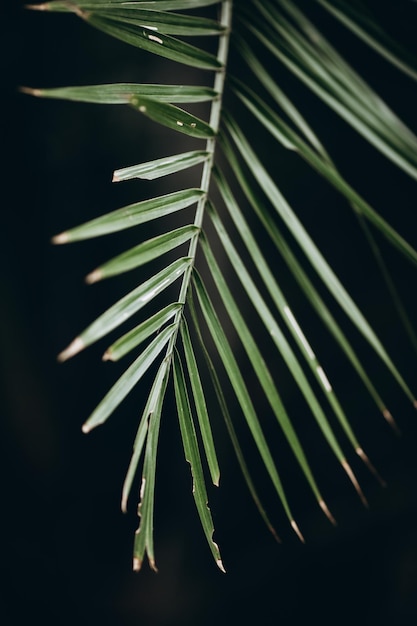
<point>219,252</point>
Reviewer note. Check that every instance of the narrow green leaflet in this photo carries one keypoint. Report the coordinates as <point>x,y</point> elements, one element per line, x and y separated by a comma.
<point>121,93</point>
<point>128,380</point>
<point>136,455</point>
<point>162,45</point>
<point>192,455</point>
<point>134,5</point>
<point>311,251</point>
<point>143,253</point>
<point>317,63</point>
<point>277,296</point>
<point>200,404</point>
<point>366,120</point>
<point>285,349</point>
<point>172,117</point>
<point>162,22</point>
<point>306,43</point>
<point>140,333</point>
<point>367,30</point>
<point>144,534</point>
<point>389,281</point>
<point>301,277</point>
<point>132,215</point>
<point>323,164</point>
<point>161,167</point>
<point>229,424</point>
<point>153,404</point>
<point>232,368</point>
<point>126,307</point>
<point>279,96</point>
<point>327,169</point>
<point>262,371</point>
<point>277,127</point>
<point>316,53</point>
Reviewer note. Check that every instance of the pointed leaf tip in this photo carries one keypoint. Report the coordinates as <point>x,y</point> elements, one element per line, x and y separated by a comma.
<point>75,346</point>
<point>370,466</point>
<point>297,530</point>
<point>37,7</point>
<point>107,356</point>
<point>354,482</point>
<point>326,511</point>
<point>274,534</point>
<point>137,564</point>
<point>93,277</point>
<point>61,238</point>
<point>391,421</point>
<point>152,565</point>
<point>30,91</point>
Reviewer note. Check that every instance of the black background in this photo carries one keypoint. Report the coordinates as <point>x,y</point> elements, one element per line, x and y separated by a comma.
<point>66,547</point>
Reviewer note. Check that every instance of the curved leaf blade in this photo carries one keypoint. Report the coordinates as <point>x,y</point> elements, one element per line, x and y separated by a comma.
<point>229,424</point>
<point>143,253</point>
<point>311,251</point>
<point>137,335</point>
<point>144,534</point>
<point>160,44</point>
<point>153,404</point>
<point>232,368</point>
<point>279,339</point>
<point>121,93</point>
<point>126,307</point>
<point>162,167</point>
<point>162,21</point>
<point>276,294</point>
<point>200,404</point>
<point>301,277</point>
<point>128,380</point>
<point>367,120</point>
<point>278,129</point>
<point>192,455</point>
<point>131,215</point>
<point>172,117</point>
<point>134,5</point>
<point>262,372</point>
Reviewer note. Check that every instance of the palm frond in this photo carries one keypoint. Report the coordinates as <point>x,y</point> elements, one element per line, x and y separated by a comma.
<point>224,254</point>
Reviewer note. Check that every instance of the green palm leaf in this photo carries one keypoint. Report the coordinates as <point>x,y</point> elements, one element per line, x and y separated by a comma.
<point>134,5</point>
<point>162,167</point>
<point>224,254</point>
<point>200,404</point>
<point>309,248</point>
<point>124,308</point>
<point>240,388</point>
<point>123,92</point>
<point>302,278</point>
<point>132,215</point>
<point>160,44</point>
<point>143,253</point>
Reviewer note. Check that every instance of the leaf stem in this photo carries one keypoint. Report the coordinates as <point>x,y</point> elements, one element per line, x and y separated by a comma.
<point>214,122</point>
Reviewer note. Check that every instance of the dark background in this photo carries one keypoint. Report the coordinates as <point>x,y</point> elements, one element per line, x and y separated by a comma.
<point>66,546</point>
